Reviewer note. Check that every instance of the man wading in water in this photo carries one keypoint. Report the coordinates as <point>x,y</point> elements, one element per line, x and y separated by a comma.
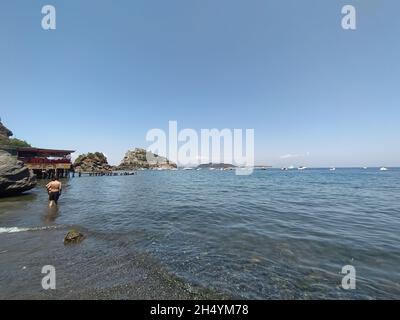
<point>54,189</point>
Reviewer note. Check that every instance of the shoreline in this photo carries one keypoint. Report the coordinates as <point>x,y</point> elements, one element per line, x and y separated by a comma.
<point>129,274</point>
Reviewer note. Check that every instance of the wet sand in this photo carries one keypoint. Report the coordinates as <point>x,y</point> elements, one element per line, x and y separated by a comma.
<point>85,270</point>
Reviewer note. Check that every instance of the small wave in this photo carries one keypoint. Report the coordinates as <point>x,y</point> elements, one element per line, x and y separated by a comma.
<point>16,229</point>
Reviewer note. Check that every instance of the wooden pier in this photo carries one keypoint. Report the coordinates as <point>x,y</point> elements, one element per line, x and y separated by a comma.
<point>103,173</point>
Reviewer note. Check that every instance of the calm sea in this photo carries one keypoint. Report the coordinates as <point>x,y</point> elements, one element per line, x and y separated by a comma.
<point>184,234</point>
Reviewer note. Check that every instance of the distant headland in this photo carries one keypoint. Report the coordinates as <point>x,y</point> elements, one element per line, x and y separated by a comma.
<point>216,166</point>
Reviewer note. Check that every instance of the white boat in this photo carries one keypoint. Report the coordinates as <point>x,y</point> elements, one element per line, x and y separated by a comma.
<point>332,169</point>
<point>291,167</point>
<point>383,169</point>
<point>284,169</point>
<point>365,168</point>
<point>301,168</point>
<point>187,168</point>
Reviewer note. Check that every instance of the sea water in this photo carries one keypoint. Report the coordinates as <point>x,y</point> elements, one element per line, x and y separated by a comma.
<point>170,234</point>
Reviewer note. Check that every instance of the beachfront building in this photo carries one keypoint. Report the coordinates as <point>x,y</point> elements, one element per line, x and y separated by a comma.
<point>46,163</point>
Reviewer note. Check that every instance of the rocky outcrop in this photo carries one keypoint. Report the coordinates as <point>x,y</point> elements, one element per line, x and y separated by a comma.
<point>142,159</point>
<point>92,162</point>
<point>73,236</point>
<point>15,178</point>
<point>6,140</point>
<point>5,135</point>
<point>5,132</point>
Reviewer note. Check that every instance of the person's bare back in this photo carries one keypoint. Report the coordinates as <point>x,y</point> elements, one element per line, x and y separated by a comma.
<point>54,186</point>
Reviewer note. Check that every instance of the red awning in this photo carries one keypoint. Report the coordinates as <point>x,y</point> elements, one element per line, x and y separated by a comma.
<point>45,152</point>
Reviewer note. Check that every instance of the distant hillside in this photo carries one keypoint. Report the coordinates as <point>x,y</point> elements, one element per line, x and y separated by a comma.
<point>216,166</point>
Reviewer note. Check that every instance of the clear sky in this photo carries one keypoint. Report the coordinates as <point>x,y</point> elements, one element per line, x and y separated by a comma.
<point>315,94</point>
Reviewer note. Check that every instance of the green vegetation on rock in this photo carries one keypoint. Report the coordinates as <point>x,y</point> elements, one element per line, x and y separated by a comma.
<point>5,139</point>
<point>14,142</point>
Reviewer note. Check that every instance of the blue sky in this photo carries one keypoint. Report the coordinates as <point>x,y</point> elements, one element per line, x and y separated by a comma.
<point>315,94</point>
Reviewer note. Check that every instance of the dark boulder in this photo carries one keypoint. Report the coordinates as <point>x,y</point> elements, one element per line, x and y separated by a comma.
<point>15,177</point>
<point>73,236</point>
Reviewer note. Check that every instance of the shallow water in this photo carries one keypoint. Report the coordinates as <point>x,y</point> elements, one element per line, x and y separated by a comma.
<point>273,234</point>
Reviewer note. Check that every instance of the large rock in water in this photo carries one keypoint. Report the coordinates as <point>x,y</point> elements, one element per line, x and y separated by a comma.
<point>92,162</point>
<point>140,158</point>
<point>73,236</point>
<point>15,178</point>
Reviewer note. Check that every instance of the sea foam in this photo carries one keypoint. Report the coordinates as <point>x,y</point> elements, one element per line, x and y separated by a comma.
<point>17,229</point>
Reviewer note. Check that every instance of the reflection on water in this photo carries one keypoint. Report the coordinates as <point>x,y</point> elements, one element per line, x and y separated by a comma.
<point>51,214</point>
<point>6,202</point>
<point>274,234</point>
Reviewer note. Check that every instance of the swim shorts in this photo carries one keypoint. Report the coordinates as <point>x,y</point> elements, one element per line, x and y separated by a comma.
<point>53,196</point>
